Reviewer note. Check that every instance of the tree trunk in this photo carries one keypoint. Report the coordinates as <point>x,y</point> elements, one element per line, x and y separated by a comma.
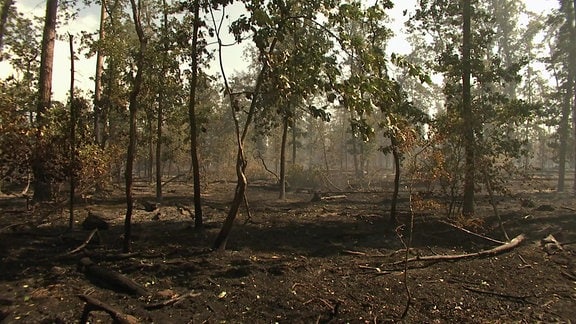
<point>133,108</point>
<point>563,132</point>
<point>294,142</point>
<point>573,82</point>
<point>6,5</point>
<point>161,95</point>
<point>98,80</point>
<point>283,158</point>
<point>467,116</point>
<point>73,119</point>
<point>192,119</point>
<point>397,168</point>
<point>42,180</point>
<point>240,192</point>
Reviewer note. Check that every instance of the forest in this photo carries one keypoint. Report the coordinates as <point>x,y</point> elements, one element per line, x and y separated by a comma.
<point>318,174</point>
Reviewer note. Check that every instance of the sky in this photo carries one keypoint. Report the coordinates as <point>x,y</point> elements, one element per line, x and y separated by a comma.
<point>233,57</point>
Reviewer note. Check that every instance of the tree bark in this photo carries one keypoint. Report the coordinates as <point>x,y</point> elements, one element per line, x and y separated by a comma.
<point>397,168</point>
<point>467,115</point>
<point>283,158</point>
<point>73,119</point>
<point>42,180</point>
<point>573,82</point>
<point>161,100</point>
<point>98,80</point>
<point>192,119</point>
<point>133,108</point>
<point>6,5</point>
<point>241,163</point>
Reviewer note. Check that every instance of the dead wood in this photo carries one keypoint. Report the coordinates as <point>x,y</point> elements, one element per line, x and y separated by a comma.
<point>173,179</point>
<point>84,244</point>
<point>172,301</point>
<point>107,278</point>
<point>334,197</point>
<point>319,197</point>
<point>472,233</point>
<point>26,223</point>
<point>493,293</point>
<point>93,304</point>
<point>497,250</point>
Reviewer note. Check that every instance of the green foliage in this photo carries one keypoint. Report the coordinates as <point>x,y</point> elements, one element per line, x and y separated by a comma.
<point>16,132</point>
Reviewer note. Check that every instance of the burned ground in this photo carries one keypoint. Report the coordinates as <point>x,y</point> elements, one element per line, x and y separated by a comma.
<point>294,261</point>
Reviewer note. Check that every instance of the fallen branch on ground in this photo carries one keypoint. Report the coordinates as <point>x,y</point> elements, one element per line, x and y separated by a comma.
<point>497,250</point>
<point>472,233</point>
<point>493,293</point>
<point>93,304</point>
<point>172,301</point>
<point>83,245</point>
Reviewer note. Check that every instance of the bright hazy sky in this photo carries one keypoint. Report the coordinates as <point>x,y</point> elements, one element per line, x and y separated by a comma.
<point>233,57</point>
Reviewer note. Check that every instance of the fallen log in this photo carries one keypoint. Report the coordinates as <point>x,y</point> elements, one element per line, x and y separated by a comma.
<point>93,304</point>
<point>497,250</point>
<point>109,279</point>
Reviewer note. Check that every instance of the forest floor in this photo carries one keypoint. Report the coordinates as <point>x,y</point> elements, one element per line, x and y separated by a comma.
<point>295,261</point>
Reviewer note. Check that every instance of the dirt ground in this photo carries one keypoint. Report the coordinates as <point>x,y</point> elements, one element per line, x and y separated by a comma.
<point>294,261</point>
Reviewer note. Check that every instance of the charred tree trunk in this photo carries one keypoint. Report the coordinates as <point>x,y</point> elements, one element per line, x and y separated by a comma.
<point>192,119</point>
<point>133,108</point>
<point>98,120</point>
<point>42,180</point>
<point>467,115</point>
<point>283,157</point>
<point>397,167</point>
<point>73,119</point>
<point>563,132</point>
<point>161,100</point>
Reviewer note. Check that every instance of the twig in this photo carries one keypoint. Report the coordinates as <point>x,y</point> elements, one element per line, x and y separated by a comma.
<point>259,156</point>
<point>93,304</point>
<point>83,245</point>
<point>472,233</point>
<point>493,293</point>
<point>172,301</point>
<point>354,252</point>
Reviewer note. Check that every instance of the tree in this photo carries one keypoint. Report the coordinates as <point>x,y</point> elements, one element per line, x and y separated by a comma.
<point>42,178</point>
<point>5,11</point>
<point>192,118</point>
<point>478,125</point>
<point>467,115</point>
<point>98,78</point>
<point>133,108</point>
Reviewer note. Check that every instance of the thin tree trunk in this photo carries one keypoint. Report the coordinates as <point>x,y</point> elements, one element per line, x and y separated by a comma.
<point>192,119</point>
<point>133,108</point>
<point>562,154</point>
<point>573,82</point>
<point>73,119</point>
<point>161,95</point>
<point>42,181</point>
<point>283,158</point>
<point>241,163</point>
<point>294,142</point>
<point>6,5</point>
<point>397,168</point>
<point>467,116</point>
<point>98,80</point>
